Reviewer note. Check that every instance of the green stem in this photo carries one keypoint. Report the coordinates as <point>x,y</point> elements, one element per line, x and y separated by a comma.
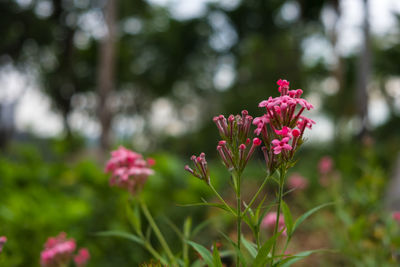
<point>239,218</point>
<point>222,200</point>
<point>278,212</point>
<point>255,196</point>
<point>258,238</point>
<point>157,232</point>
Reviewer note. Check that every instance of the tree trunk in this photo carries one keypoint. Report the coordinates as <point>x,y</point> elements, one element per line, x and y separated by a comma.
<point>106,73</point>
<point>364,73</point>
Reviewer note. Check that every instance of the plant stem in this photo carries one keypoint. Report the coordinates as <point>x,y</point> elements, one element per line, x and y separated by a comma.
<point>157,232</point>
<point>255,196</point>
<point>239,218</point>
<point>222,200</point>
<point>258,238</point>
<point>278,212</point>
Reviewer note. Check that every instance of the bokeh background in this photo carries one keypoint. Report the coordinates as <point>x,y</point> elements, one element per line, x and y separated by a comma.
<point>81,77</point>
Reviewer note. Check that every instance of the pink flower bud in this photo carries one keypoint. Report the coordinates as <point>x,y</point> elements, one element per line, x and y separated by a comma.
<point>256,141</point>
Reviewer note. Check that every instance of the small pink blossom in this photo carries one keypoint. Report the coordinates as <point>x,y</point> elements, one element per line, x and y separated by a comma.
<point>285,132</point>
<point>3,240</point>
<point>325,165</point>
<point>129,170</point>
<point>296,181</point>
<point>279,145</point>
<point>269,222</point>
<point>396,216</point>
<point>82,257</point>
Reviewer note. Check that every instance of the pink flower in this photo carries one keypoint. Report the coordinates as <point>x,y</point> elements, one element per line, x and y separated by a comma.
<point>3,240</point>
<point>82,257</point>
<point>129,170</point>
<point>325,165</point>
<point>296,181</point>
<point>285,132</point>
<point>57,251</point>
<point>283,125</point>
<point>396,216</point>
<point>269,222</point>
<point>279,145</point>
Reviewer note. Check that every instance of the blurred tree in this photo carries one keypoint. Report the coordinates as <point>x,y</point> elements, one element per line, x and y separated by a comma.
<point>106,72</point>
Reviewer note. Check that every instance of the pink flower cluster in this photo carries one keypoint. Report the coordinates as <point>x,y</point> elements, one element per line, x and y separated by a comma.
<point>269,222</point>
<point>325,165</point>
<point>201,169</point>
<point>396,216</point>
<point>129,170</point>
<point>3,240</point>
<point>296,181</point>
<point>234,148</point>
<point>58,251</point>
<point>283,125</point>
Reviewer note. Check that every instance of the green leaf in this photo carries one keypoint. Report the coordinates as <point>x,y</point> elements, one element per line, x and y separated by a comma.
<point>216,256</point>
<point>258,209</point>
<point>216,205</point>
<point>262,215</point>
<point>133,215</point>
<point>238,252</point>
<point>174,227</point>
<point>250,246</point>
<point>205,253</point>
<point>131,237</point>
<point>288,218</point>
<point>262,255</point>
<point>148,233</point>
<point>296,257</point>
<point>202,225</point>
<point>307,214</point>
<point>249,222</point>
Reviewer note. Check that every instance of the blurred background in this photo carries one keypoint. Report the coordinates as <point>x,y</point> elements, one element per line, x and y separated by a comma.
<point>81,77</point>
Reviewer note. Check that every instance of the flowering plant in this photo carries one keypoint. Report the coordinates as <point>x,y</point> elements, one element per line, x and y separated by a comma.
<point>280,133</point>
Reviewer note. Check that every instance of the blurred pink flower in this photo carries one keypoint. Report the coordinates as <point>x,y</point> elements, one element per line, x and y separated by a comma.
<point>129,170</point>
<point>296,181</point>
<point>325,165</point>
<point>82,257</point>
<point>269,222</point>
<point>57,251</point>
<point>396,216</point>
<point>3,240</point>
